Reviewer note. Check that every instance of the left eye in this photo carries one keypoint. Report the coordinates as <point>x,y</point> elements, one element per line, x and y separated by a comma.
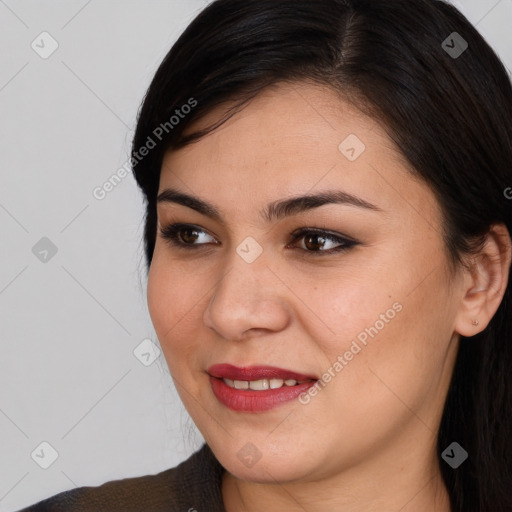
<point>186,236</point>
<point>315,241</point>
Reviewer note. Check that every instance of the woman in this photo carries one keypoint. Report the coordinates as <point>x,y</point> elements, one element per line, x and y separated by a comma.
<point>327,238</point>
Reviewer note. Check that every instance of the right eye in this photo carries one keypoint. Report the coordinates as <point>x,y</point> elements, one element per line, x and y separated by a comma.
<point>183,236</point>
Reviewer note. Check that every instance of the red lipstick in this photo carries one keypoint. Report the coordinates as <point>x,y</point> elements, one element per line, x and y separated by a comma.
<point>251,400</point>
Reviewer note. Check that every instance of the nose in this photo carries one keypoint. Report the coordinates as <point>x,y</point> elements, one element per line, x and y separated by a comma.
<point>248,298</point>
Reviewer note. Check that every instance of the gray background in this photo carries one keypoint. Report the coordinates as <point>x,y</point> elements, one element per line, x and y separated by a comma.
<point>71,321</point>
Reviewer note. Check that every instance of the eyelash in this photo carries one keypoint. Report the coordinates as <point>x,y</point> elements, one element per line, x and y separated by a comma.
<point>171,235</point>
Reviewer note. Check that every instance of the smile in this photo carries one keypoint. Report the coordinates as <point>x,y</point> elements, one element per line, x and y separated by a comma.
<point>256,388</point>
<point>262,384</point>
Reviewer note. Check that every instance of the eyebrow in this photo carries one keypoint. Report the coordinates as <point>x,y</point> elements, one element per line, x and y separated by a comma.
<point>275,210</point>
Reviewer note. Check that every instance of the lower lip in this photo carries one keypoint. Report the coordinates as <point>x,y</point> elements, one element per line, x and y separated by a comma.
<point>243,400</point>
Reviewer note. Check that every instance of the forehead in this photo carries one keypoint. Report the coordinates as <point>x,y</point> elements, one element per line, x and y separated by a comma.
<point>291,139</point>
<point>285,111</point>
<point>286,120</point>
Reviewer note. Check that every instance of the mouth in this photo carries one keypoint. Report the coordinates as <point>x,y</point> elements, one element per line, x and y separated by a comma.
<point>262,384</point>
<point>256,373</point>
<point>256,388</point>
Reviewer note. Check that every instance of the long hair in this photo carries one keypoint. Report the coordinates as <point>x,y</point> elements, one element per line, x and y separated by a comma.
<point>445,99</point>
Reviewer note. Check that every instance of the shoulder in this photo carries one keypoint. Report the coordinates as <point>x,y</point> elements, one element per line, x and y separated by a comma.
<point>195,484</point>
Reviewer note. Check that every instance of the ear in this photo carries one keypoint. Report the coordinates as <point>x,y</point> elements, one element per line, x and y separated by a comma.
<point>485,282</point>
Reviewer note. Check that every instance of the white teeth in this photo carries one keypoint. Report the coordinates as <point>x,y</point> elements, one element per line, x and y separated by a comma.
<point>260,385</point>
<point>276,383</point>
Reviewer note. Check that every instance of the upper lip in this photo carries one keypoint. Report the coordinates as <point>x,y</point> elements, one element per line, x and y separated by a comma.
<point>248,373</point>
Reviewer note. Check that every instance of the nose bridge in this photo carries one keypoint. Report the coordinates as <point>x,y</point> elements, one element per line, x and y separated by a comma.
<point>242,283</point>
<point>247,269</point>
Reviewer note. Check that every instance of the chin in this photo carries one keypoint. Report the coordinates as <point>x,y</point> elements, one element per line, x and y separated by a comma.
<point>268,473</point>
<point>269,469</point>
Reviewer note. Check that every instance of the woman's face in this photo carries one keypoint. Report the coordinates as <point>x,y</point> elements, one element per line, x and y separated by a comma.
<point>373,322</point>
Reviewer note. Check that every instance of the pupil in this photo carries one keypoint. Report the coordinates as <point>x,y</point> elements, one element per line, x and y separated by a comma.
<point>316,244</point>
<point>190,239</point>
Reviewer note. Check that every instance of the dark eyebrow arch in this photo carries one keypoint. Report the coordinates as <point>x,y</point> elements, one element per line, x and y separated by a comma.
<point>275,210</point>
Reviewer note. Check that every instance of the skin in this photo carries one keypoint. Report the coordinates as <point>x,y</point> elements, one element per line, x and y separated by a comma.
<point>367,440</point>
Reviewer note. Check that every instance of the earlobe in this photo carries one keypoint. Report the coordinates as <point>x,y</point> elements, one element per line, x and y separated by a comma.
<point>485,282</point>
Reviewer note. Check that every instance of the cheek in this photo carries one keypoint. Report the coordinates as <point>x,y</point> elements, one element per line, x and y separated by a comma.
<point>174,302</point>
<point>346,307</point>
<point>159,297</point>
<point>382,325</point>
<point>402,353</point>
